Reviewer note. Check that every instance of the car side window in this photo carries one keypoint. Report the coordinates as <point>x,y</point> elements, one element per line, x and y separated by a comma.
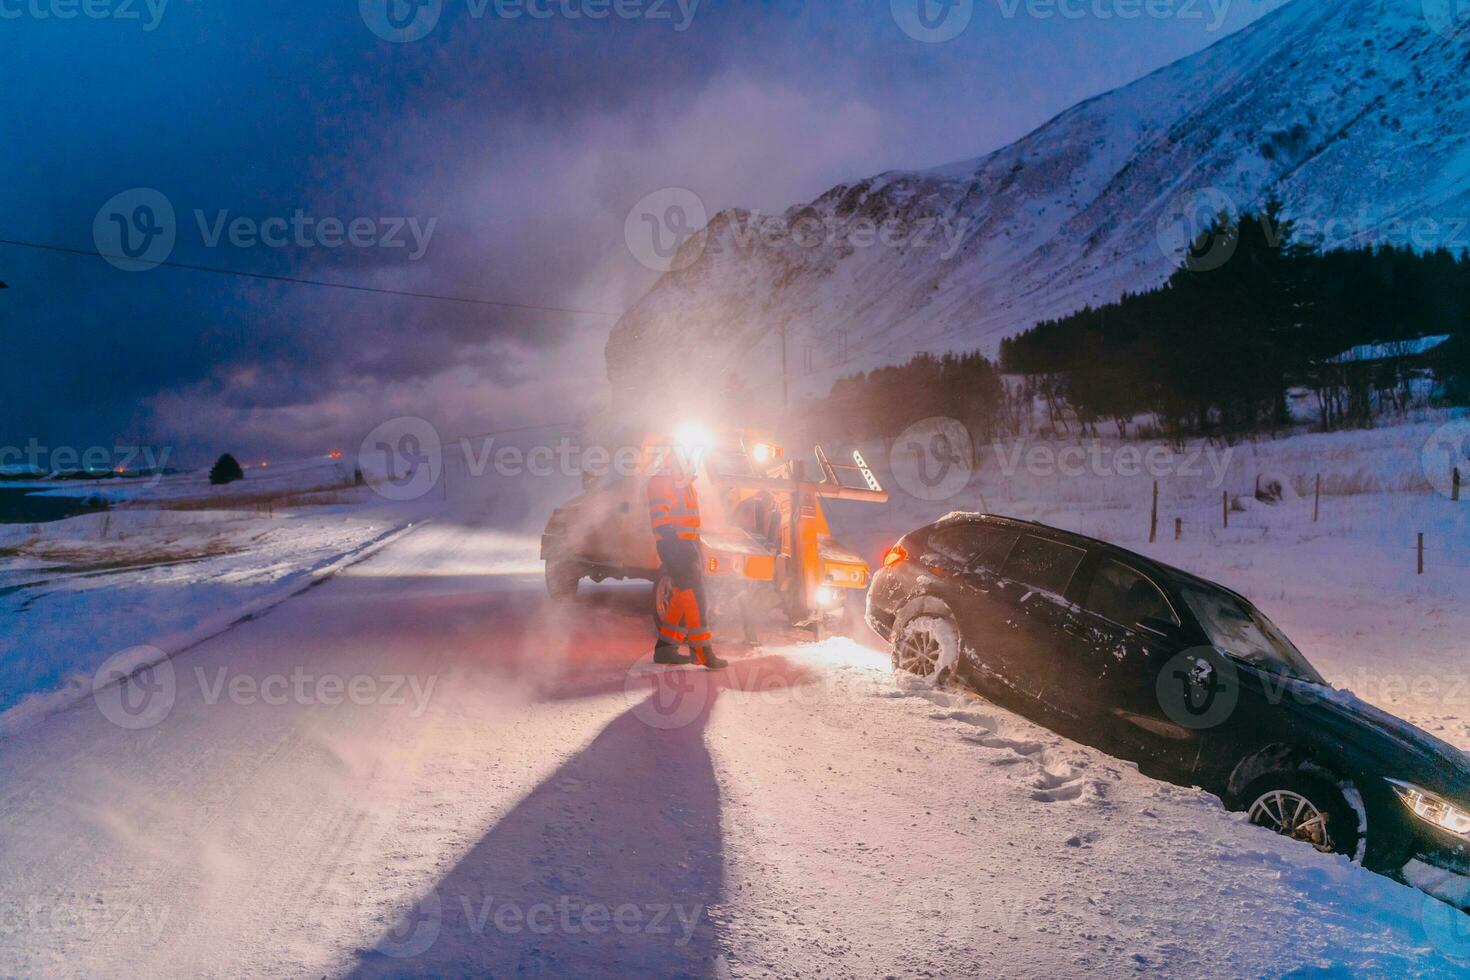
<point>966,544</point>
<point>1042,564</point>
<point>1124,596</point>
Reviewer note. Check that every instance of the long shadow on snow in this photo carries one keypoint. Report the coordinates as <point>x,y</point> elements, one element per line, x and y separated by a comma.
<point>630,825</point>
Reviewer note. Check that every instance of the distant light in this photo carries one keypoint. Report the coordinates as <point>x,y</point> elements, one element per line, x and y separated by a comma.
<point>335,454</point>
<point>762,452</point>
<point>263,464</point>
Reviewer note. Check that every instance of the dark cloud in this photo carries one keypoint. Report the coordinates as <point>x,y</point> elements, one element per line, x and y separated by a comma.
<point>525,142</point>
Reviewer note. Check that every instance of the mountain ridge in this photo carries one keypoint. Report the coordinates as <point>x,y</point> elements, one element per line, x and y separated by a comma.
<point>1350,112</point>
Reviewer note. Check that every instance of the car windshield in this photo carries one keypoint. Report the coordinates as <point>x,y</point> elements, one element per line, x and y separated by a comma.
<point>1237,629</point>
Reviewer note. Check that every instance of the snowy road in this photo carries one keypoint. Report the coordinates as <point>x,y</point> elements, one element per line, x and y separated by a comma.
<point>422,767</point>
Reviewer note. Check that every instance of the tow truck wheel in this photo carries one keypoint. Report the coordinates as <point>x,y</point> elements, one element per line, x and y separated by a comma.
<point>562,579</point>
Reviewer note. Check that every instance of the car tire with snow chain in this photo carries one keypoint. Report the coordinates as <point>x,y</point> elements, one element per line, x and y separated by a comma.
<point>927,646</point>
<point>1304,807</point>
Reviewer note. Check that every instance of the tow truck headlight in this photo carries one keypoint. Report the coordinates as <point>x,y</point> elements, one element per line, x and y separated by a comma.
<point>1432,808</point>
<point>693,437</point>
<point>828,596</point>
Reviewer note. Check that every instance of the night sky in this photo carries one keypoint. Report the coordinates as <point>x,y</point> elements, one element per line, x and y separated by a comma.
<point>521,143</point>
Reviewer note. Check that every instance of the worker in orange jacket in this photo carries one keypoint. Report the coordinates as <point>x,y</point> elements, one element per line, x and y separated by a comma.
<point>673,512</point>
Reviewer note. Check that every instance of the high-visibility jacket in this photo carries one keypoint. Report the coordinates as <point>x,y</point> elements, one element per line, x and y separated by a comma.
<point>673,507</point>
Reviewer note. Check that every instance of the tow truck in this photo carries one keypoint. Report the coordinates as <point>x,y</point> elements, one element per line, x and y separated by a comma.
<point>765,539</point>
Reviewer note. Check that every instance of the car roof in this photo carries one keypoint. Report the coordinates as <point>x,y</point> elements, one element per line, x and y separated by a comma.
<point>1145,563</point>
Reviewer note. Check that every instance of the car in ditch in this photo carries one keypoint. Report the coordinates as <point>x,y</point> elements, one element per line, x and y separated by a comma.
<point>1180,675</point>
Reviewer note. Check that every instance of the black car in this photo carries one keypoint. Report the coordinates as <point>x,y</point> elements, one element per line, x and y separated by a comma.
<point>1180,675</point>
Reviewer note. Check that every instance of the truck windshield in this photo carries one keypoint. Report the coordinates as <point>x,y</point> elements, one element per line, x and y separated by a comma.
<point>1239,630</point>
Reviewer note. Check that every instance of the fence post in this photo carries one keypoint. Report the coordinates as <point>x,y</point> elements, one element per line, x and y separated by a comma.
<point>1455,486</point>
<point>1178,528</point>
<point>1225,508</point>
<point>1317,500</point>
<point>1153,518</point>
<point>1421,552</point>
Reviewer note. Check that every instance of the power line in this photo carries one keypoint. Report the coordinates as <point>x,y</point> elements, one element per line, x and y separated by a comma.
<point>411,294</point>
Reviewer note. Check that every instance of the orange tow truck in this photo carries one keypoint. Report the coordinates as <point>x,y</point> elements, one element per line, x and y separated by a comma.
<point>765,539</point>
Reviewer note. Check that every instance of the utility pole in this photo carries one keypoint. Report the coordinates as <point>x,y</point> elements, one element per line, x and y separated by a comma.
<point>785,393</point>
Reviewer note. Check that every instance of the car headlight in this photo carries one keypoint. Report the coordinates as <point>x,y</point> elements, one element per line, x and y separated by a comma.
<point>1432,808</point>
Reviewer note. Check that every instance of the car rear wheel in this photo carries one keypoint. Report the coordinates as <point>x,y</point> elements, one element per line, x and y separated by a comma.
<point>562,579</point>
<point>926,646</point>
<point>1304,808</point>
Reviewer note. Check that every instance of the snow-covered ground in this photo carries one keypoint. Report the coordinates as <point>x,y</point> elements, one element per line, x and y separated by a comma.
<point>422,767</point>
<point>174,562</point>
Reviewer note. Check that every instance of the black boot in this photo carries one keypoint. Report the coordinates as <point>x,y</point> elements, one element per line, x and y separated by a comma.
<point>712,662</point>
<point>670,655</point>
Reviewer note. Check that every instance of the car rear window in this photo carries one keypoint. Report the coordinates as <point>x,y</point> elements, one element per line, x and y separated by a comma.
<point>1127,598</point>
<point>1042,564</point>
<point>965,544</point>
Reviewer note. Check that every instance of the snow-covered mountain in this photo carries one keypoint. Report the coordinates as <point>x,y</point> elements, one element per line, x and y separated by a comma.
<point>1353,112</point>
